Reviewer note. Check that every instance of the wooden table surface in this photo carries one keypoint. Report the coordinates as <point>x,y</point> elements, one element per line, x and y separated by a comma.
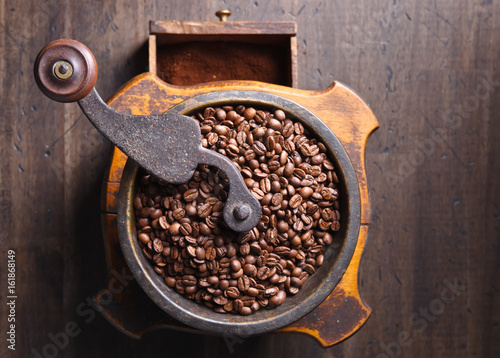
<point>431,267</point>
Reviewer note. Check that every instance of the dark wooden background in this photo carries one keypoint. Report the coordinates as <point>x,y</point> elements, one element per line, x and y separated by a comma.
<point>424,67</point>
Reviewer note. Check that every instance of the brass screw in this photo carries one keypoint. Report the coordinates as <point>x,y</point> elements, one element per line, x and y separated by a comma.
<point>223,15</point>
<point>62,69</point>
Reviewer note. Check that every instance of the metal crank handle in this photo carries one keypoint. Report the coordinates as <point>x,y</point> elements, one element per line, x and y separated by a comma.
<point>241,209</point>
<point>168,145</point>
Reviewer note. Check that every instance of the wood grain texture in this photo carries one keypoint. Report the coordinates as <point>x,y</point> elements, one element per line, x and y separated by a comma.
<point>418,64</point>
<point>226,27</point>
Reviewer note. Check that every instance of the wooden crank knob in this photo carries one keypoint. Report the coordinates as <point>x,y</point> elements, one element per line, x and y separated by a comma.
<point>65,70</point>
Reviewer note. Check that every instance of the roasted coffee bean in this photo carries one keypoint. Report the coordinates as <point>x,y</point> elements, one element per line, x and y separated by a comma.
<point>144,238</point>
<point>274,279</point>
<point>259,148</point>
<point>277,199</point>
<point>293,290</point>
<point>298,225</point>
<point>249,269</point>
<point>162,221</point>
<point>188,280</point>
<point>296,282</point>
<point>308,268</point>
<point>282,250</point>
<point>228,307</point>
<point>274,124</point>
<point>237,274</point>
<point>223,284</point>
<point>265,185</point>
<point>157,245</point>
<point>327,164</point>
<point>282,226</point>
<point>210,253</point>
<point>287,130</point>
<point>178,213</point>
<point>208,112</point>
<point>231,250</point>
<point>220,114</point>
<point>300,255</point>
<point>275,186</point>
<point>232,292</point>
<point>279,115</point>
<point>170,281</point>
<point>185,229</point>
<point>245,311</point>
<point>289,169</point>
<point>249,113</point>
<point>221,251</point>
<point>257,193</point>
<point>244,249</point>
<point>156,214</point>
<point>191,250</point>
<point>270,145</point>
<point>262,273</point>
<point>296,272</point>
<point>238,305</point>
<point>233,150</point>
<point>248,301</point>
<point>271,292</point>
<point>324,225</point>
<point>204,210</point>
<point>220,300</point>
<point>272,235</point>
<point>243,283</point>
<point>206,187</point>
<point>295,201</point>
<point>252,291</point>
<point>221,130</point>
<point>174,253</point>
<point>190,195</point>
<point>225,262</point>
<point>200,253</point>
<point>277,299</point>
<point>235,265</point>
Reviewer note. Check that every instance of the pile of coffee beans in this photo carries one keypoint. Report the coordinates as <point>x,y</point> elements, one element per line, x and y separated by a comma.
<point>182,232</point>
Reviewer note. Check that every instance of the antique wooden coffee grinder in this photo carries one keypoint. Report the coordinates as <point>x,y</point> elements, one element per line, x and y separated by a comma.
<point>194,65</point>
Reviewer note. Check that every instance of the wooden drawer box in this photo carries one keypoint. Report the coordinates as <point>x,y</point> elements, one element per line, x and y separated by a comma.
<point>185,53</point>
